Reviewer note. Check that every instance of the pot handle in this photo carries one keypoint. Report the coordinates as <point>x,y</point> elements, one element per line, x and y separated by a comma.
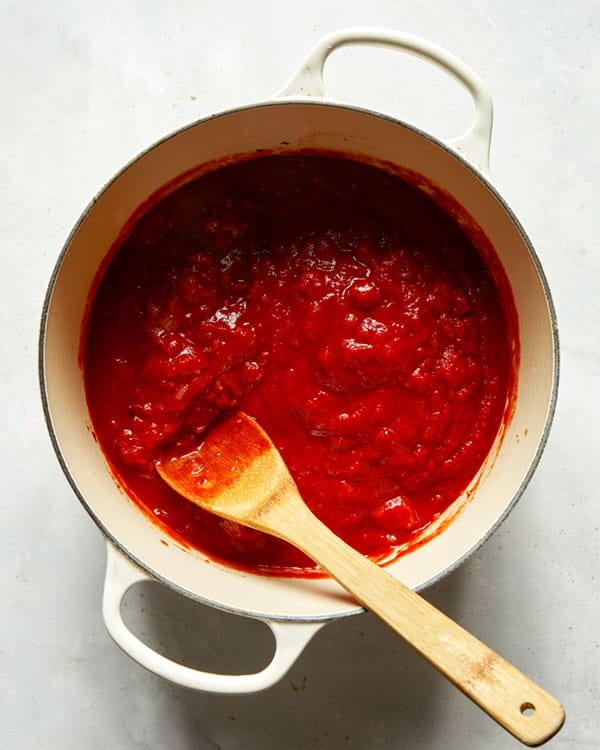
<point>290,639</point>
<point>308,81</point>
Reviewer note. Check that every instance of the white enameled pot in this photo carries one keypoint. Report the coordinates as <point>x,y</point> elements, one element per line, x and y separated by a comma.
<point>301,116</point>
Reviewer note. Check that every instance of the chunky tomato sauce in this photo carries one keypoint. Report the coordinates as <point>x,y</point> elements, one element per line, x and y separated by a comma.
<point>338,305</point>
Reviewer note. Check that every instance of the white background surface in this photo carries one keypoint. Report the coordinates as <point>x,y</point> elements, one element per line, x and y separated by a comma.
<point>86,86</point>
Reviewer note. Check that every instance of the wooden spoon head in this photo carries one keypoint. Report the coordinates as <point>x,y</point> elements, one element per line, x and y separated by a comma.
<point>236,472</point>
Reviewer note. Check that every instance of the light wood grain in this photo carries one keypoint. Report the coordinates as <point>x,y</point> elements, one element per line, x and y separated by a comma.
<point>238,474</point>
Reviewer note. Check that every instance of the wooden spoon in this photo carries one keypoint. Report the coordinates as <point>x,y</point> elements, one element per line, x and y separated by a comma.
<point>238,474</point>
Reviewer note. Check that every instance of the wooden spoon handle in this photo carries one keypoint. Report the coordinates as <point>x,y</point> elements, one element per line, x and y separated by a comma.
<point>506,694</point>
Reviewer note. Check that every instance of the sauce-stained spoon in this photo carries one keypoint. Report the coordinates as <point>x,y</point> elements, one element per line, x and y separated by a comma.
<point>238,474</point>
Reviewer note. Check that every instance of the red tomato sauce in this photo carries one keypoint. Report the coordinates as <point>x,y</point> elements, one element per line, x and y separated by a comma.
<point>338,305</point>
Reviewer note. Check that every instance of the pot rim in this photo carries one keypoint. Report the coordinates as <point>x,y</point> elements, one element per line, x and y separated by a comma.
<point>295,101</point>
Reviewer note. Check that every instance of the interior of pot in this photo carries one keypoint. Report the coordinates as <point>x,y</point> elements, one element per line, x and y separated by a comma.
<point>289,126</point>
